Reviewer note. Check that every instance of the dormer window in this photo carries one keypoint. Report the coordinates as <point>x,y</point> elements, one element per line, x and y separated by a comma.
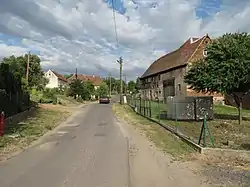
<point>205,53</point>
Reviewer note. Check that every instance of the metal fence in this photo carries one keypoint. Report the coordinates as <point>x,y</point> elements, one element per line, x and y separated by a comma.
<point>176,117</point>
<point>14,103</point>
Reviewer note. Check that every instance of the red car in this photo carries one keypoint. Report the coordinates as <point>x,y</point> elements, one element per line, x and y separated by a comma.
<point>104,100</point>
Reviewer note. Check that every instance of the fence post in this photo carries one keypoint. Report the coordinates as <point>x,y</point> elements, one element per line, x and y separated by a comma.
<point>144,108</point>
<point>140,105</point>
<point>176,128</point>
<point>159,111</point>
<point>205,128</point>
<point>150,112</point>
<point>2,124</point>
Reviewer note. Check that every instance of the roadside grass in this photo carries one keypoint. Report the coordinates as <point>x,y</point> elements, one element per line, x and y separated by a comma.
<point>158,135</point>
<point>67,101</point>
<point>223,129</point>
<point>70,101</point>
<point>18,136</point>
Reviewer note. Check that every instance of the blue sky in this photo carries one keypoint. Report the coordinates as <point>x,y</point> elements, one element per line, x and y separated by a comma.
<point>208,8</point>
<point>145,32</point>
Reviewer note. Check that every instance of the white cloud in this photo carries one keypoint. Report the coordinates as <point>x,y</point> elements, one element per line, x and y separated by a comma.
<point>81,33</point>
<point>6,50</point>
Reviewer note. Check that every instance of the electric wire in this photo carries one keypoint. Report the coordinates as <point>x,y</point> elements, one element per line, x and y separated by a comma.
<point>115,26</point>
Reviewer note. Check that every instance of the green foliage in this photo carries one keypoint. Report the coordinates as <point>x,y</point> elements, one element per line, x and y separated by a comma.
<point>115,84</point>
<point>137,84</point>
<point>75,88</point>
<point>83,89</point>
<point>18,67</point>
<point>45,96</point>
<point>103,90</point>
<point>68,76</point>
<point>87,90</point>
<point>131,86</point>
<point>226,69</point>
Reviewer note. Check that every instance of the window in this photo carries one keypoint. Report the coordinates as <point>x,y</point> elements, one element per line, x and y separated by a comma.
<point>179,87</point>
<point>205,53</point>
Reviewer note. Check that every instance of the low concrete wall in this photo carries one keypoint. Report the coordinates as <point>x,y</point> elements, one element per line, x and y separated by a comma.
<point>18,117</point>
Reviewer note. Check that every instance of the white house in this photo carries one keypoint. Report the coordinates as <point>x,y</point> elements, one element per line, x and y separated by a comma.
<point>55,79</point>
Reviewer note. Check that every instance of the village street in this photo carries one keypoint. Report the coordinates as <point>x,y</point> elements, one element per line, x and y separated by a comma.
<point>93,149</point>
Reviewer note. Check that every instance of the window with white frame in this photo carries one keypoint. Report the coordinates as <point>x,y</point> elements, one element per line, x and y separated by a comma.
<point>205,53</point>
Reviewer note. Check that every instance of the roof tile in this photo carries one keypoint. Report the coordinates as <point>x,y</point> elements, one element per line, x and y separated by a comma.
<point>59,76</point>
<point>95,80</point>
<point>174,59</point>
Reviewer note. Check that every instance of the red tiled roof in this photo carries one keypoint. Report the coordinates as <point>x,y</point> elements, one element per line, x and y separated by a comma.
<point>95,80</point>
<point>59,76</point>
<point>174,59</point>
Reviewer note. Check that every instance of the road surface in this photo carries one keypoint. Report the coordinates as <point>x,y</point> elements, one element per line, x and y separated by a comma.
<point>88,150</point>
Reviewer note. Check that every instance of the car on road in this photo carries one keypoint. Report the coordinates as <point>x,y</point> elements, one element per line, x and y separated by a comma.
<point>104,100</point>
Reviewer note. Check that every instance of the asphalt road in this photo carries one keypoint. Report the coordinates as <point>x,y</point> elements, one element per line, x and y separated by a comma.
<point>88,150</point>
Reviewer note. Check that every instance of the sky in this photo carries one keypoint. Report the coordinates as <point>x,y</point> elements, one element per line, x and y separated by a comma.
<point>80,33</point>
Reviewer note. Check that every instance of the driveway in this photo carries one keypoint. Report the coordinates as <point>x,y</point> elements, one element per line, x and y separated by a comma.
<point>88,150</point>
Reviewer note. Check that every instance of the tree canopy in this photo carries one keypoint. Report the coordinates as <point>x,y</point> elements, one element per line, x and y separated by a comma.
<point>18,66</point>
<point>226,69</point>
<point>115,84</point>
<point>131,86</point>
<point>102,90</point>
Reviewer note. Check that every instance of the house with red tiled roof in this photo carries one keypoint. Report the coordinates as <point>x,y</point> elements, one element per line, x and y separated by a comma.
<point>165,76</point>
<point>95,80</point>
<point>56,80</point>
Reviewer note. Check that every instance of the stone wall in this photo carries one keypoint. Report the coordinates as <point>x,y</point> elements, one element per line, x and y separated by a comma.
<point>189,108</point>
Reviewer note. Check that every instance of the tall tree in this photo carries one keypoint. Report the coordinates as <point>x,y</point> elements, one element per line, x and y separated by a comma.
<point>131,86</point>
<point>226,69</point>
<point>88,90</point>
<point>18,66</point>
<point>75,88</point>
<point>137,84</point>
<point>102,90</point>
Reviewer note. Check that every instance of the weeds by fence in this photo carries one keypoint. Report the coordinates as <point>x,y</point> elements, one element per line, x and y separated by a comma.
<point>219,131</point>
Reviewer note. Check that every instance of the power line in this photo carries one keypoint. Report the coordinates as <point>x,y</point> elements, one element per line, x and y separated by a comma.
<point>115,27</point>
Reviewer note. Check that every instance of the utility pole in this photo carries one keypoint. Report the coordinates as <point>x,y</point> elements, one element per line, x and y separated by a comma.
<point>76,73</point>
<point>110,85</point>
<point>125,77</point>
<point>27,68</point>
<point>121,90</point>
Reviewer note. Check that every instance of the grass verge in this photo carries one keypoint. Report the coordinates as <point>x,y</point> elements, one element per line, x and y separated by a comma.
<point>224,128</point>
<point>18,136</point>
<point>158,135</point>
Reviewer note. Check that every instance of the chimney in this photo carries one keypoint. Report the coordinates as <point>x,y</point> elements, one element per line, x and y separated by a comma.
<point>191,40</point>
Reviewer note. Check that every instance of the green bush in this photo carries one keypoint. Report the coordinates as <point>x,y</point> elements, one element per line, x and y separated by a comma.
<point>79,99</point>
<point>46,96</point>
